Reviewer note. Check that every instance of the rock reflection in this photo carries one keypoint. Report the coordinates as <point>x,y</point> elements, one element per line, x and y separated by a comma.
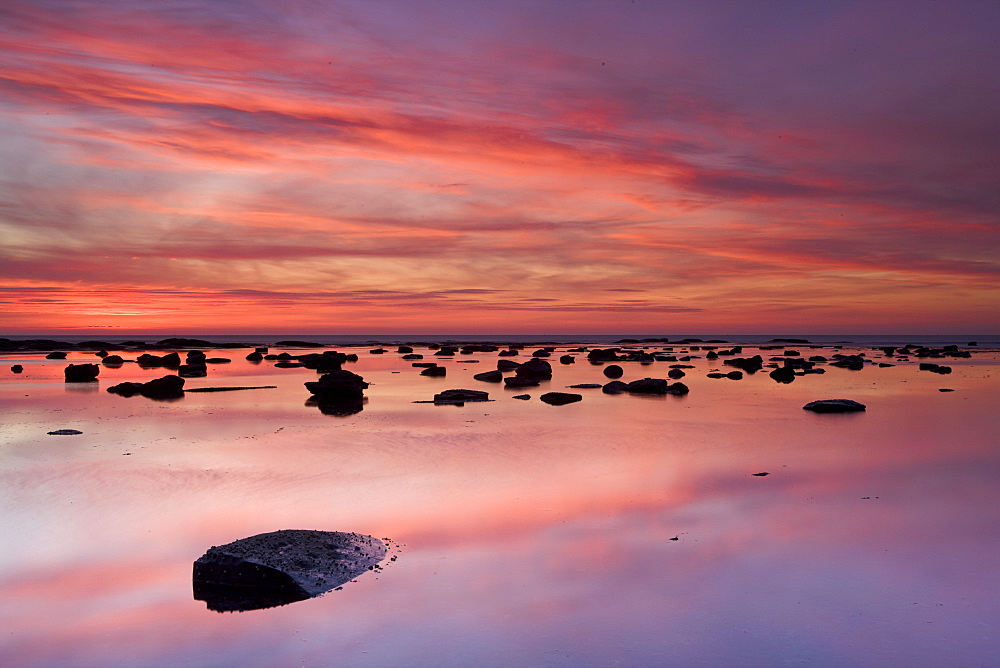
<point>281,567</point>
<point>338,407</point>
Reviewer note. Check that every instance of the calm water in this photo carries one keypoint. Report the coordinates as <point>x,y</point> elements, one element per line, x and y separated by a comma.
<point>530,534</point>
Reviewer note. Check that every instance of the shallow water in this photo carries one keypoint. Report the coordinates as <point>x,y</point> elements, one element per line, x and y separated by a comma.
<point>527,534</point>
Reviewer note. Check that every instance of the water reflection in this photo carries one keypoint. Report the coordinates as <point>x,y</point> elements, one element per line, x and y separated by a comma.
<point>338,407</point>
<point>535,534</point>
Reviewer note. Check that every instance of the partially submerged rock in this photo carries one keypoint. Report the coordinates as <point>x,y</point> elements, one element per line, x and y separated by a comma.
<point>64,432</point>
<point>81,373</point>
<point>460,396</point>
<point>834,406</point>
<point>338,385</point>
<point>282,567</point>
<point>560,398</point>
<point>166,387</point>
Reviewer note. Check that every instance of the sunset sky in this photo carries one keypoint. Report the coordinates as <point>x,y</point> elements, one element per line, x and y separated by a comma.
<point>510,167</point>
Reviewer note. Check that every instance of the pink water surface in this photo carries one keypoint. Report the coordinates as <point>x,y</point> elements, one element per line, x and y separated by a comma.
<point>525,534</point>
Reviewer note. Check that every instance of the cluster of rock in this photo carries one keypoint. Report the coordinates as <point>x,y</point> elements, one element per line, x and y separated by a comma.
<point>165,387</point>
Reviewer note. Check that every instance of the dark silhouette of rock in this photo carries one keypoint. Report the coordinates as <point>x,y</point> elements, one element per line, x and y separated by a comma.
<point>647,386</point>
<point>184,343</point>
<point>165,387</point>
<point>81,373</point>
<point>149,361</point>
<point>192,371</point>
<point>560,398</point>
<point>507,365</point>
<point>567,359</point>
<point>56,355</point>
<point>490,376</point>
<point>64,432</point>
<point>746,364</point>
<point>675,374</point>
<point>298,344</point>
<point>16,368</point>
<point>255,356</point>
<point>328,360</point>
<point>535,368</point>
<point>460,396</point>
<point>404,349</point>
<point>945,389</point>
<point>613,371</point>
<point>507,353</point>
<point>935,368</point>
<point>522,397</point>
<point>734,375</point>
<point>614,387</point>
<point>217,360</point>
<point>435,371</point>
<point>230,388</point>
<point>586,386</point>
<point>112,361</point>
<point>521,381</point>
<point>281,567</point>
<point>834,406</point>
<point>850,362</point>
<point>338,406</point>
<point>783,374</point>
<point>413,356</point>
<point>603,355</point>
<point>338,385</point>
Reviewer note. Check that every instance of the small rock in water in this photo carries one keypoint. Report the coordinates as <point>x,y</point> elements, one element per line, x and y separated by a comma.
<point>64,432</point>
<point>761,474</point>
<point>522,397</point>
<point>834,406</point>
<point>560,398</point>
<point>16,368</point>
<point>460,396</point>
<point>282,567</point>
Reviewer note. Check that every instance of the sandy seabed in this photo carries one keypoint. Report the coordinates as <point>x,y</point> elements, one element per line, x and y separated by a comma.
<point>620,529</point>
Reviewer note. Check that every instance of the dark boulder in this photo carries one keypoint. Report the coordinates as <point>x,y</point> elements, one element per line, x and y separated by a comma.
<point>490,376</point>
<point>521,381</point>
<point>560,398</point>
<point>113,360</point>
<point>81,373</point>
<point>613,371</point>
<point>56,355</point>
<point>339,384</point>
<point>255,356</point>
<point>535,368</point>
<point>404,349</point>
<point>746,364</point>
<point>460,396</point>
<point>935,368</point>
<point>783,374</point>
<point>166,387</point>
<point>614,387</point>
<point>218,360</point>
<point>734,375</point>
<point>647,386</point>
<point>675,374</point>
<point>834,406</point>
<point>507,365</point>
<point>192,371</point>
<point>413,356</point>
<point>16,368</point>
<point>522,397</point>
<point>567,359</point>
<point>435,371</point>
<point>586,386</point>
<point>282,567</point>
<point>328,360</point>
<point>603,355</point>
<point>507,353</point>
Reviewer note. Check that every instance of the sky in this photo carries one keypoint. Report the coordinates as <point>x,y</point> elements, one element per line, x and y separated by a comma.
<point>542,166</point>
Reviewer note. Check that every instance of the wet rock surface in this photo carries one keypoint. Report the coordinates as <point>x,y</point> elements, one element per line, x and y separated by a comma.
<point>282,567</point>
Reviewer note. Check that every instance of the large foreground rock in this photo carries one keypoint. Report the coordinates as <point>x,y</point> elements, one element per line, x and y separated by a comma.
<point>81,373</point>
<point>282,567</point>
<point>834,406</point>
